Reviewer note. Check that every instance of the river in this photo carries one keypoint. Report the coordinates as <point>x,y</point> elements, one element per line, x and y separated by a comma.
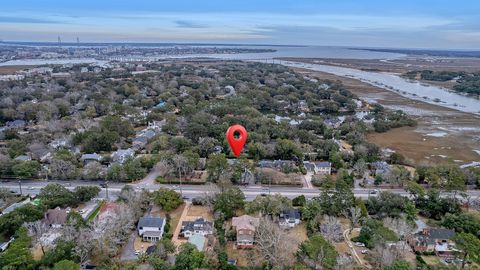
<point>410,89</point>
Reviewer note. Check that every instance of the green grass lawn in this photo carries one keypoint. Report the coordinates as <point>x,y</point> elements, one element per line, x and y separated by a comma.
<point>95,213</point>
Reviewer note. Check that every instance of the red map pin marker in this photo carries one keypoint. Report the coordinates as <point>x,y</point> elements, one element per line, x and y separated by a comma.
<point>237,144</point>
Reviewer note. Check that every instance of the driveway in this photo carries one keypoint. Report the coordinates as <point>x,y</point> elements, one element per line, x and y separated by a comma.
<point>128,252</point>
<point>149,179</point>
<point>308,180</point>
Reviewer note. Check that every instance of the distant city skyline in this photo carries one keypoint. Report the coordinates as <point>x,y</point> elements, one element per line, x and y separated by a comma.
<point>439,24</point>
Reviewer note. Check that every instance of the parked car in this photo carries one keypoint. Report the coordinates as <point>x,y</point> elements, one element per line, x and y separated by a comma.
<point>374,191</point>
<point>364,251</point>
<point>359,244</point>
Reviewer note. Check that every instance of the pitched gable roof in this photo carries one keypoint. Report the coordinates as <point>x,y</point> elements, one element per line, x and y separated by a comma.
<point>245,222</point>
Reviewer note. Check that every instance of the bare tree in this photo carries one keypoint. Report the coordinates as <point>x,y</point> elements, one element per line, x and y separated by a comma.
<point>35,230</point>
<point>331,229</point>
<point>62,169</point>
<point>354,214</point>
<point>85,244</point>
<point>344,262</point>
<point>402,228</point>
<point>360,167</point>
<point>274,245</point>
<point>384,255</point>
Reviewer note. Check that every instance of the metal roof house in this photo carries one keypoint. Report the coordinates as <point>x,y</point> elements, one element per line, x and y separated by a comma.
<point>151,228</point>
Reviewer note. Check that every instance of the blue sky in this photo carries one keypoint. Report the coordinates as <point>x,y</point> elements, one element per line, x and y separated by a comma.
<point>372,23</point>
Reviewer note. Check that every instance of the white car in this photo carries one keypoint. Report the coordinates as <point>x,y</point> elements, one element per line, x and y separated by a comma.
<point>358,244</point>
<point>364,251</point>
<point>31,188</point>
<point>137,252</point>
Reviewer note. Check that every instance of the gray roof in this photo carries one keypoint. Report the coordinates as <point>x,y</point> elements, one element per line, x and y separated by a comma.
<point>323,164</point>
<point>154,222</point>
<point>16,124</point>
<point>23,158</point>
<point>93,156</point>
<point>141,139</point>
<point>440,233</point>
<point>290,214</point>
<point>200,224</point>
<point>275,163</point>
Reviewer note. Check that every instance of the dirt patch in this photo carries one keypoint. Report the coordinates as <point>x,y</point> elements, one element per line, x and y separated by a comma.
<point>6,70</point>
<point>276,177</point>
<point>342,248</point>
<point>195,211</point>
<point>299,232</point>
<point>442,135</point>
<point>244,257</point>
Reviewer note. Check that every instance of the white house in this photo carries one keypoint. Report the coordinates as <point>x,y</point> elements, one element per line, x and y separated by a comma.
<point>121,155</point>
<point>289,218</point>
<point>199,226</point>
<point>319,167</point>
<point>151,228</point>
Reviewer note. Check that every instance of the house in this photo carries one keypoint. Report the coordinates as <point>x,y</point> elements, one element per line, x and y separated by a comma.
<point>289,218</point>
<point>121,155</point>
<point>245,227</point>
<point>151,228</point>
<point>61,75</point>
<point>16,124</point>
<point>318,167</point>
<point>55,218</point>
<point>198,241</point>
<point>60,143</point>
<point>160,105</point>
<point>438,240</point>
<point>291,121</point>
<point>380,168</point>
<point>276,164</point>
<point>199,226</point>
<point>86,158</point>
<point>23,158</point>
<point>139,142</point>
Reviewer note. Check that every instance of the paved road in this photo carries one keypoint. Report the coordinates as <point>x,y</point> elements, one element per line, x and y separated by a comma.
<point>192,191</point>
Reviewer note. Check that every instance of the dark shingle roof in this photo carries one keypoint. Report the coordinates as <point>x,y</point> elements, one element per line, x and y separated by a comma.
<point>155,222</point>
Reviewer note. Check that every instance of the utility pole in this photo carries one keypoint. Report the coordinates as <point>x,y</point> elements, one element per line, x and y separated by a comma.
<point>106,188</point>
<point>20,184</point>
<point>181,191</point>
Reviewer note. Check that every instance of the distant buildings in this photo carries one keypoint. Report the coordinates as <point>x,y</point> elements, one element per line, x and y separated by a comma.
<point>86,158</point>
<point>121,155</point>
<point>61,75</point>
<point>276,164</point>
<point>380,168</point>
<point>23,158</point>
